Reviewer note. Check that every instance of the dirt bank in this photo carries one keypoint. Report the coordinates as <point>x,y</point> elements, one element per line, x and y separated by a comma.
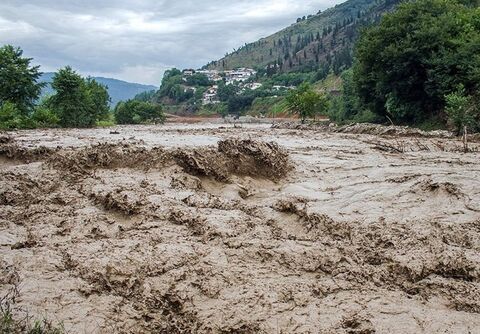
<point>366,128</point>
<point>216,229</point>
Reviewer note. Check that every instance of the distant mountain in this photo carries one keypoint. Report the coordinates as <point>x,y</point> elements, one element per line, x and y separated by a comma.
<point>325,39</point>
<point>119,90</point>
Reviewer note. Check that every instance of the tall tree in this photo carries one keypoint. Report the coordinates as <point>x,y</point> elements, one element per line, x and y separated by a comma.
<point>18,79</point>
<point>99,98</point>
<point>78,102</point>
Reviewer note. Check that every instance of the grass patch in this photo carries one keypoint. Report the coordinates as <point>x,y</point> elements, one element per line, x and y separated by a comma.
<point>10,323</point>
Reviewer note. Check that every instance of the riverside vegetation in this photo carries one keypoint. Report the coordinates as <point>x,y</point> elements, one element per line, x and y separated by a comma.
<point>76,101</point>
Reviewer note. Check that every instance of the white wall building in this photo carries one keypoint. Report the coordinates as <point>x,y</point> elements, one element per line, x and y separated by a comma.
<point>210,96</point>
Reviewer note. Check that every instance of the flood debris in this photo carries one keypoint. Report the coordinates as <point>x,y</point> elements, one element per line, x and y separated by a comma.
<point>194,229</point>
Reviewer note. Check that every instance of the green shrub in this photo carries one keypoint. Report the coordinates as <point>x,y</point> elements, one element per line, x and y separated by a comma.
<point>268,106</point>
<point>462,111</point>
<point>10,323</point>
<point>138,112</point>
<point>12,117</point>
<point>43,117</point>
<point>306,102</point>
<point>107,121</point>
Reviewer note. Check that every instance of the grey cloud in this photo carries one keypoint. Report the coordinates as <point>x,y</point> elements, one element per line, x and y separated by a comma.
<point>138,40</point>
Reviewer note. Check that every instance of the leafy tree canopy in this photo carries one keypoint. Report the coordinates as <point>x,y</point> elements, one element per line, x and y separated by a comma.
<point>406,65</point>
<point>78,102</point>
<point>306,102</point>
<point>18,80</point>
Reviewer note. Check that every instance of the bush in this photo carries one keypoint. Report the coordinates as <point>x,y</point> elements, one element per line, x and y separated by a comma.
<point>462,111</point>
<point>306,102</point>
<point>11,117</point>
<point>267,106</point>
<point>138,112</point>
<point>44,117</point>
<point>239,103</point>
<point>107,121</point>
<point>10,324</point>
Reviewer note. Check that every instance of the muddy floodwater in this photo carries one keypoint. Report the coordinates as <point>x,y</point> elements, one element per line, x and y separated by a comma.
<point>212,228</point>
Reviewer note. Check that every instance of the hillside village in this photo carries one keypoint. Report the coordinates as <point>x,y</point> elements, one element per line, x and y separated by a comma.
<point>238,76</point>
<point>244,78</point>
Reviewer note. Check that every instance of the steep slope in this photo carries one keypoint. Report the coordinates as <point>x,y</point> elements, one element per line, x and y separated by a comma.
<point>317,41</point>
<point>119,90</point>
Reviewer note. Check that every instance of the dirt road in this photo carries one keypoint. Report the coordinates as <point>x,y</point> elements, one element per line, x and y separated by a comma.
<point>208,228</point>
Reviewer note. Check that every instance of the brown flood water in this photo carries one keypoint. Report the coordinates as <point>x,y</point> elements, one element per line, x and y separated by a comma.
<point>208,228</point>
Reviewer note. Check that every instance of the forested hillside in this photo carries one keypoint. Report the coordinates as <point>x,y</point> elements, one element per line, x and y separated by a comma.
<point>324,40</point>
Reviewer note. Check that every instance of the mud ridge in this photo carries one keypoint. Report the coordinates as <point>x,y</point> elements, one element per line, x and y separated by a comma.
<point>366,128</point>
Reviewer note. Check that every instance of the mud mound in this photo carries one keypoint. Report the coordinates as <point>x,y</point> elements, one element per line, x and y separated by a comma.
<point>315,224</point>
<point>186,218</point>
<point>448,188</point>
<point>5,138</point>
<point>234,156</point>
<point>125,202</point>
<point>256,158</point>
<point>397,131</point>
<point>12,150</point>
<point>202,162</point>
<point>24,189</point>
<point>108,156</point>
<point>356,324</point>
<point>294,205</point>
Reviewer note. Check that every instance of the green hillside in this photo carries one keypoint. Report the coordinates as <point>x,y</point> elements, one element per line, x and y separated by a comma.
<point>322,40</point>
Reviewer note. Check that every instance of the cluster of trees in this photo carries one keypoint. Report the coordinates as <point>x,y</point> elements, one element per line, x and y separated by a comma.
<point>76,101</point>
<point>421,64</point>
<point>138,112</point>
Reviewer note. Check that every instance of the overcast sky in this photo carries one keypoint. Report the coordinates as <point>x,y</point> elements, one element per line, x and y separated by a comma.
<point>136,40</point>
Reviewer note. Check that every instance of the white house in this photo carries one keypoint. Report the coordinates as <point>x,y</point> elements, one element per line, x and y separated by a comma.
<point>210,96</point>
